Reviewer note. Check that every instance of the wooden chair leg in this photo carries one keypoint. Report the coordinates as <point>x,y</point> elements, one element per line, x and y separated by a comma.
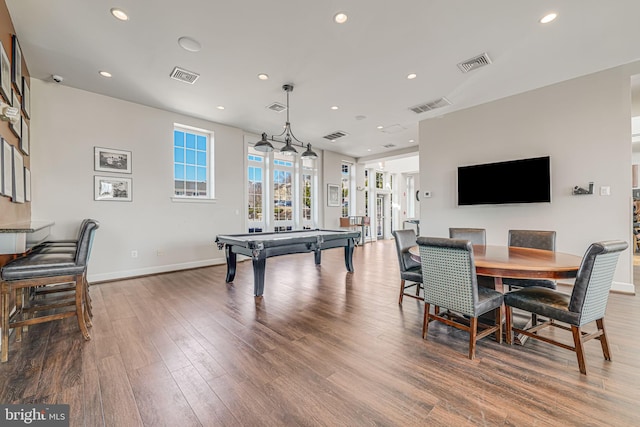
<point>577,340</point>
<point>508,321</point>
<point>498,313</point>
<point>401,291</point>
<point>473,332</point>
<point>425,321</point>
<point>18,296</point>
<point>4,323</point>
<point>417,288</point>
<point>603,340</point>
<point>80,307</point>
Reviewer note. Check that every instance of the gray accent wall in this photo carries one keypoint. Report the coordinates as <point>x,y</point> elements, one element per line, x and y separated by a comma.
<point>584,124</point>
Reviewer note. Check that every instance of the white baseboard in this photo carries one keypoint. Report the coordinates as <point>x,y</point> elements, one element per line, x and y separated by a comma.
<point>125,274</point>
<point>624,288</point>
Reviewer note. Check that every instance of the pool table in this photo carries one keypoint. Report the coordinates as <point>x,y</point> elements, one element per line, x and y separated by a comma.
<point>260,246</point>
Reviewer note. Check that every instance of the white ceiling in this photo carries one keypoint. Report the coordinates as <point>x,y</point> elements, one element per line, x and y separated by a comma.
<point>360,66</point>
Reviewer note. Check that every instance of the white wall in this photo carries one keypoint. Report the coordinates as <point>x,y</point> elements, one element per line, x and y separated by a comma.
<point>332,174</point>
<point>583,124</point>
<point>67,124</point>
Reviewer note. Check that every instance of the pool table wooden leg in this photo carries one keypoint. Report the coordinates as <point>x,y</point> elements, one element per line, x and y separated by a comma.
<point>231,263</point>
<point>258,276</point>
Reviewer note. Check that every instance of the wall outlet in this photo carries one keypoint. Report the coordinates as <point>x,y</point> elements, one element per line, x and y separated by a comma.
<point>605,191</point>
<point>134,254</point>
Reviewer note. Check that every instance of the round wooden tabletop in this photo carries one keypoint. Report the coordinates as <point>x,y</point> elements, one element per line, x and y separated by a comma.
<point>514,262</point>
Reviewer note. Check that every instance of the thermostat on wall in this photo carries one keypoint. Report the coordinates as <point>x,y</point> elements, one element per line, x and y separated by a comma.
<point>427,194</point>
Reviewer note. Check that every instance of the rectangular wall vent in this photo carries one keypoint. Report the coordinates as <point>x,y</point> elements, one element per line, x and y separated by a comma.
<point>183,75</point>
<point>335,135</point>
<point>277,107</point>
<point>473,63</point>
<point>432,105</point>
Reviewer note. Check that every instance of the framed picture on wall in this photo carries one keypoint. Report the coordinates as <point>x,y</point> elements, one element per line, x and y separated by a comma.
<point>26,99</point>
<point>333,195</point>
<point>111,160</point>
<point>17,195</point>
<point>7,169</point>
<point>112,188</point>
<point>27,185</point>
<point>16,73</point>
<point>24,138</point>
<point>5,75</point>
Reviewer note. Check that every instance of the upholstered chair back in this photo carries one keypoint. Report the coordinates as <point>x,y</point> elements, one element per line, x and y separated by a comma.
<point>405,239</point>
<point>534,239</point>
<point>449,274</point>
<point>477,236</point>
<point>593,281</point>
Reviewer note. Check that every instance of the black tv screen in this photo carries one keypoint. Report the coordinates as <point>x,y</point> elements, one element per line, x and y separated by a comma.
<point>514,181</point>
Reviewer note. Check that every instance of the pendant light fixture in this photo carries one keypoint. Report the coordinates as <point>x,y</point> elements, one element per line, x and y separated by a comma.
<point>265,146</point>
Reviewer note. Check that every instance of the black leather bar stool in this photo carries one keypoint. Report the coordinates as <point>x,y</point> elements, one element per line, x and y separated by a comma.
<point>45,269</point>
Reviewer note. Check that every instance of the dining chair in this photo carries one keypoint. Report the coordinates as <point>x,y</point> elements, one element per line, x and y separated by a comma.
<point>534,239</point>
<point>450,282</point>
<point>409,268</point>
<point>45,271</point>
<point>587,302</point>
<point>477,236</point>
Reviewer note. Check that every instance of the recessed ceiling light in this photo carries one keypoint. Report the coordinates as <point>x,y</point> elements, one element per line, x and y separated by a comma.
<point>411,140</point>
<point>548,18</point>
<point>119,14</point>
<point>380,127</point>
<point>220,107</point>
<point>368,149</point>
<point>340,17</point>
<point>334,107</point>
<point>361,117</point>
<point>412,76</point>
<point>189,44</point>
<point>263,76</point>
<point>105,74</point>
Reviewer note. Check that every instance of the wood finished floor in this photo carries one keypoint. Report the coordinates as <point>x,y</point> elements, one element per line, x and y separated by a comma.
<point>323,348</point>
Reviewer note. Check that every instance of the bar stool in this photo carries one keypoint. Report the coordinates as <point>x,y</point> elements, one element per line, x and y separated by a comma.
<point>45,269</point>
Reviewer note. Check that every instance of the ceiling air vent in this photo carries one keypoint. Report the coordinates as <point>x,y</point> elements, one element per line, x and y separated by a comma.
<point>473,63</point>
<point>389,145</point>
<point>432,105</point>
<point>335,135</point>
<point>184,75</point>
<point>277,107</point>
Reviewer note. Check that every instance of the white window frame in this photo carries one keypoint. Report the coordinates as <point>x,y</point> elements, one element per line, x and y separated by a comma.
<point>210,173</point>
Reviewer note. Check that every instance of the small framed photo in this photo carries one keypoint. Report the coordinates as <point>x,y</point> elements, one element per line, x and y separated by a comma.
<point>26,99</point>
<point>24,138</point>
<point>16,127</point>
<point>112,188</point>
<point>18,176</point>
<point>111,160</point>
<point>16,73</point>
<point>333,195</point>
<point>27,185</point>
<point>7,169</point>
<point>5,75</point>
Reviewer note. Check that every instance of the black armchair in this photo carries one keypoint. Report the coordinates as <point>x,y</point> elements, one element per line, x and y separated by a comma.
<point>587,302</point>
<point>409,268</point>
<point>450,282</point>
<point>534,239</point>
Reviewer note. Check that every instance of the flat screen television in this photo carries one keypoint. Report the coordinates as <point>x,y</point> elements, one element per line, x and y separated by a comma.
<point>514,181</point>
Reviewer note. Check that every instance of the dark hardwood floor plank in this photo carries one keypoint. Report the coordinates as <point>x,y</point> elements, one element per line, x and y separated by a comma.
<point>118,400</point>
<point>207,406</point>
<point>159,399</point>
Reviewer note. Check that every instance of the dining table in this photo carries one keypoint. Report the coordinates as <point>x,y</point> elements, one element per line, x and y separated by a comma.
<point>502,262</point>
